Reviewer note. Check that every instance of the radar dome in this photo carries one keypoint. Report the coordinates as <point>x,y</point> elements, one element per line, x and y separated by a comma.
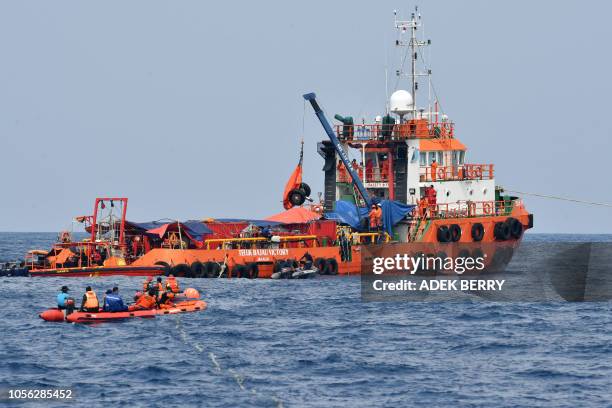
<point>401,102</point>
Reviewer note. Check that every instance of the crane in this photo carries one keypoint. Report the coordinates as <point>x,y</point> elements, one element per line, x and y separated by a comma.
<point>312,98</point>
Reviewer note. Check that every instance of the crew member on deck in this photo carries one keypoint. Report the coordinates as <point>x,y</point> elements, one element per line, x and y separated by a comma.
<point>374,217</point>
<point>341,172</point>
<point>89,303</point>
<point>432,198</point>
<point>434,170</point>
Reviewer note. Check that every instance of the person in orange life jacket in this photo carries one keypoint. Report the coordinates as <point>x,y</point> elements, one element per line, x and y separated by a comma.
<point>434,169</point>
<point>90,301</point>
<point>171,284</point>
<point>379,215</point>
<point>384,170</point>
<point>145,302</point>
<point>423,206</point>
<point>341,172</point>
<point>356,167</point>
<point>369,170</point>
<point>432,195</point>
<point>432,198</point>
<point>373,217</point>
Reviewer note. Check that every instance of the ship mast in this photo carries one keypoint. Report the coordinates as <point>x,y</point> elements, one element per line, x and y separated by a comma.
<point>413,44</point>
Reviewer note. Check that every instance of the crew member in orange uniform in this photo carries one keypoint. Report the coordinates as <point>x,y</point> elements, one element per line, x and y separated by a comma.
<point>341,172</point>
<point>373,217</point>
<point>434,170</point>
<point>423,207</point>
<point>384,169</point>
<point>432,198</point>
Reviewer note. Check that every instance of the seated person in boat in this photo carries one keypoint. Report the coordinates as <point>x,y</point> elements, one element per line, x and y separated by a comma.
<point>145,302</point>
<point>64,301</point>
<point>306,261</point>
<point>113,301</point>
<point>89,303</point>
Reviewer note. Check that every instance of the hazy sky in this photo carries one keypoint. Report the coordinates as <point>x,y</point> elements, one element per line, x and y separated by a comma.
<point>193,109</point>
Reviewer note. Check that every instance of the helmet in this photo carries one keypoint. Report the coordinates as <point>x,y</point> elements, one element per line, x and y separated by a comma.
<point>64,289</point>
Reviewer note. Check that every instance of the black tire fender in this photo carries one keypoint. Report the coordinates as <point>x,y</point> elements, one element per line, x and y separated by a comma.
<point>443,234</point>
<point>331,266</point>
<point>477,232</point>
<point>455,232</point>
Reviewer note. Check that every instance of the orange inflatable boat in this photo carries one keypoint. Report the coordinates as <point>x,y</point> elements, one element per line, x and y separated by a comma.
<point>56,315</point>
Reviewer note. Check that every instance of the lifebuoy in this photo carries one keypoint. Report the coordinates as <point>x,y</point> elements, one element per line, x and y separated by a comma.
<point>477,232</point>
<point>455,232</point>
<point>478,172</point>
<point>487,208</point>
<point>443,234</point>
<point>441,173</point>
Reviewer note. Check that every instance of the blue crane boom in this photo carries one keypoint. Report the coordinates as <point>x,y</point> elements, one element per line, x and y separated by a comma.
<point>311,97</point>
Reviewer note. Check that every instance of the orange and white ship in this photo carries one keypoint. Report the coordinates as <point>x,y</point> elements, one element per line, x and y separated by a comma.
<point>409,161</point>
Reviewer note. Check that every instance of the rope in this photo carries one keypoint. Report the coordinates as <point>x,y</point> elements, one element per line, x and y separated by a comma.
<point>238,378</point>
<point>561,198</point>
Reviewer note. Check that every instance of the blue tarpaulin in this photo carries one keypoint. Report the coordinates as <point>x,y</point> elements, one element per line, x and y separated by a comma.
<point>348,213</point>
<point>195,229</point>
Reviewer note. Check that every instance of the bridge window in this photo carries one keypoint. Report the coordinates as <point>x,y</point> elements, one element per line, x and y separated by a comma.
<point>423,159</point>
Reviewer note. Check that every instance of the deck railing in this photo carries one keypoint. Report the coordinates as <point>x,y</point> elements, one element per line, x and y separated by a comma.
<point>462,172</point>
<point>419,129</point>
<point>465,209</point>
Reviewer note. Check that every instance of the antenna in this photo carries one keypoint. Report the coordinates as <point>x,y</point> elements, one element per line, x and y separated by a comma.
<point>413,44</point>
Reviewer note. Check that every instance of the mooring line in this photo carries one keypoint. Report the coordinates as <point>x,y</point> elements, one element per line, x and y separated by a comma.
<point>239,379</point>
<point>573,200</point>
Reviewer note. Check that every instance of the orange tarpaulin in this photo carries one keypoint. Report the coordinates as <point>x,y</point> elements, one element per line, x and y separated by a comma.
<point>295,215</point>
<point>62,257</point>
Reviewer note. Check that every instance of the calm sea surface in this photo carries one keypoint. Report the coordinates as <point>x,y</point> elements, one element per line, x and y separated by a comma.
<point>309,343</point>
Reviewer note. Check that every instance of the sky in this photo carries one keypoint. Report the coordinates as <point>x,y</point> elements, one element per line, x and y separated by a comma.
<point>194,109</point>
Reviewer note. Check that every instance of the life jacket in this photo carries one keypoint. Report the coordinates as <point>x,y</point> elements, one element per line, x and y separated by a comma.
<point>91,301</point>
<point>146,301</point>
<point>172,285</point>
<point>373,218</point>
